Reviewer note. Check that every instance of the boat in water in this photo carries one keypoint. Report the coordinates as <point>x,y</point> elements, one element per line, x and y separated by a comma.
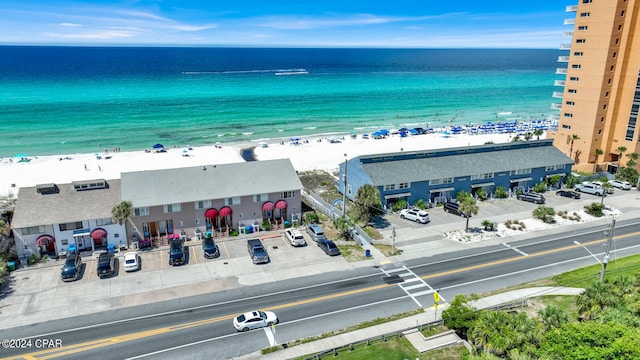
<point>292,72</point>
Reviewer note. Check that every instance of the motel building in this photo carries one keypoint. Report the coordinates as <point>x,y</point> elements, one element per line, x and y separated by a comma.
<point>437,175</point>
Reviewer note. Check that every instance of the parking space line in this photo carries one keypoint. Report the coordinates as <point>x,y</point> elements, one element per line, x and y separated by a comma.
<point>224,245</point>
<point>195,256</point>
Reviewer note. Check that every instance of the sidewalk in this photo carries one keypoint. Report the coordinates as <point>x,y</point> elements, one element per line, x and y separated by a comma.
<point>401,325</point>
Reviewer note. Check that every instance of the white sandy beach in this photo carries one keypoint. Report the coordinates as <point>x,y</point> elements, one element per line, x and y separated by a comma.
<point>311,155</point>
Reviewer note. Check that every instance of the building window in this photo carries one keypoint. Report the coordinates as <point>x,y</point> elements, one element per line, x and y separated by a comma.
<point>570,103</point>
<point>260,197</point>
<point>172,208</point>
<point>482,176</point>
<point>520,172</point>
<point>566,126</point>
<point>615,54</point>
<point>619,27</point>
<point>576,66</point>
<point>441,181</point>
<point>33,230</point>
<point>103,222</point>
<point>64,242</point>
<point>622,13</point>
<point>581,41</point>
<point>232,201</point>
<point>71,226</point>
<point>204,204</point>
<point>143,211</point>
<point>572,91</point>
<point>349,189</point>
<point>568,115</point>
<point>583,27</point>
<point>604,107</point>
<point>389,187</point>
<point>633,115</point>
<point>600,132</point>
<point>611,68</point>
<point>574,78</point>
<point>287,194</point>
<point>585,14</point>
<point>578,53</point>
<point>586,1</point>
<point>606,94</point>
<point>617,41</point>
<point>403,186</point>
<point>554,167</point>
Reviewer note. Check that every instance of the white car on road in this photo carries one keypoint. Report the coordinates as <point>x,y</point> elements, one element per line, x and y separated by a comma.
<point>620,184</point>
<point>254,320</point>
<point>416,215</point>
<point>295,237</point>
<point>131,261</point>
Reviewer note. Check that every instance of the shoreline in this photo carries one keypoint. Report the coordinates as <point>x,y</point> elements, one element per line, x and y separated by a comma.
<point>308,154</point>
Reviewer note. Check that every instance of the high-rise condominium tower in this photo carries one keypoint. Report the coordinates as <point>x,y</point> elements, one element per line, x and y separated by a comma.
<point>601,88</point>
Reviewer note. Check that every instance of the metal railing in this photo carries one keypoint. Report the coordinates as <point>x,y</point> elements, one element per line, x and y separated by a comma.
<point>316,202</point>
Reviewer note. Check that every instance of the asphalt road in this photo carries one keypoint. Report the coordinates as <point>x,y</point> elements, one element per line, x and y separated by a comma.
<point>200,326</point>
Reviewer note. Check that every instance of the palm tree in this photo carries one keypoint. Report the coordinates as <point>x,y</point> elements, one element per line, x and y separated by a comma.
<point>553,317</point>
<point>594,299</point>
<point>468,207</point>
<point>573,138</point>
<point>632,162</point>
<point>621,150</point>
<point>537,133</point>
<point>368,202</point>
<point>121,213</point>
<point>528,136</point>
<point>595,160</point>
<point>605,186</point>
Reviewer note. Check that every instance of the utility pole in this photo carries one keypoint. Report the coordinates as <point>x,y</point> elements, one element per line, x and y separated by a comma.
<point>393,241</point>
<point>607,247</point>
<point>344,190</point>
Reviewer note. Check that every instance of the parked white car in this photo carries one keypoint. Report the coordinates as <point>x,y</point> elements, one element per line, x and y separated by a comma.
<point>294,237</point>
<point>416,215</point>
<point>620,184</point>
<point>131,261</point>
<point>609,190</point>
<point>254,320</point>
<point>590,188</point>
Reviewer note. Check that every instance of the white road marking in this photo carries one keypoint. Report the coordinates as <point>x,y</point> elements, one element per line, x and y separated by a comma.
<point>515,249</point>
<point>271,336</point>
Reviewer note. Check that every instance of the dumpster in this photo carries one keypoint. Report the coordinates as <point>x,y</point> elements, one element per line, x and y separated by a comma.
<point>248,229</point>
<point>11,265</point>
<point>367,253</point>
<point>111,248</point>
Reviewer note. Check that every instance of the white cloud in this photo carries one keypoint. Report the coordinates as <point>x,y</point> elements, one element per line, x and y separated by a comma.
<point>66,24</point>
<point>95,35</point>
<point>296,22</point>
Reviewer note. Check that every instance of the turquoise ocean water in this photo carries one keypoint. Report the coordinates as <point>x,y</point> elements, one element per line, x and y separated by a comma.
<point>65,100</point>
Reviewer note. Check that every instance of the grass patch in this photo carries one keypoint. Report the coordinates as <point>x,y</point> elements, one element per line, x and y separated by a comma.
<point>587,275</point>
<point>566,303</point>
<point>434,330</point>
<point>373,233</point>
<point>352,253</point>
<point>386,249</point>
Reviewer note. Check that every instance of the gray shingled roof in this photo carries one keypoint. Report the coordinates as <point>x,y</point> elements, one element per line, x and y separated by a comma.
<point>172,186</point>
<point>413,170</point>
<point>34,209</point>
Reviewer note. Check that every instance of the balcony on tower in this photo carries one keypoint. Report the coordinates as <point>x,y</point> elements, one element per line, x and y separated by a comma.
<point>557,94</point>
<point>569,21</point>
<point>571,8</point>
<point>565,46</point>
<point>563,59</point>
<point>559,83</point>
<point>561,71</point>
<point>554,117</point>
<point>556,106</point>
<point>567,34</point>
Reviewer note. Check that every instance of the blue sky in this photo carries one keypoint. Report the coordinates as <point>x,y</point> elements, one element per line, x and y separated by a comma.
<point>291,23</point>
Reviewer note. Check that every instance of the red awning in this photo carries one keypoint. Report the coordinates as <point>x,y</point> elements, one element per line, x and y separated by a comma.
<point>98,233</point>
<point>268,206</point>
<point>281,205</point>
<point>225,211</point>
<point>44,240</point>
<point>211,213</point>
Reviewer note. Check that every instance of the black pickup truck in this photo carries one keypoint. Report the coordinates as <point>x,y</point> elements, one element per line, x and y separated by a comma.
<point>257,251</point>
<point>177,255</point>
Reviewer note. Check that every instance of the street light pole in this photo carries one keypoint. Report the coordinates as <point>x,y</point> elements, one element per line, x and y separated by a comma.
<point>344,190</point>
<point>393,241</point>
<point>607,248</point>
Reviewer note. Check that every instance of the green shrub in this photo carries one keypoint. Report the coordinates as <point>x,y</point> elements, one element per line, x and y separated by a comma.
<point>482,194</point>
<point>420,204</point>
<point>399,205</point>
<point>594,209</point>
<point>311,218</point>
<point>501,192</point>
<point>540,187</point>
<point>545,213</point>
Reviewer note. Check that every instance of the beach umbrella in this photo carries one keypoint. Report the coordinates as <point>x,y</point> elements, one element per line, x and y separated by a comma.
<point>158,146</point>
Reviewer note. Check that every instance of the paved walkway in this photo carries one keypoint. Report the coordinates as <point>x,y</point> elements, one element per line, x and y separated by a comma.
<point>401,325</point>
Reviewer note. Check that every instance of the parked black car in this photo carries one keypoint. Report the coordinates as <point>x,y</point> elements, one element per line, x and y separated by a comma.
<point>210,248</point>
<point>329,247</point>
<point>106,265</point>
<point>71,268</point>
<point>568,193</point>
<point>452,208</point>
<point>531,197</point>
<point>177,254</point>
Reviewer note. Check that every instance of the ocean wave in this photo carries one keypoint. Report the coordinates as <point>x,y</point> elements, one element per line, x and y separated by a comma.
<point>310,128</point>
<point>253,71</point>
